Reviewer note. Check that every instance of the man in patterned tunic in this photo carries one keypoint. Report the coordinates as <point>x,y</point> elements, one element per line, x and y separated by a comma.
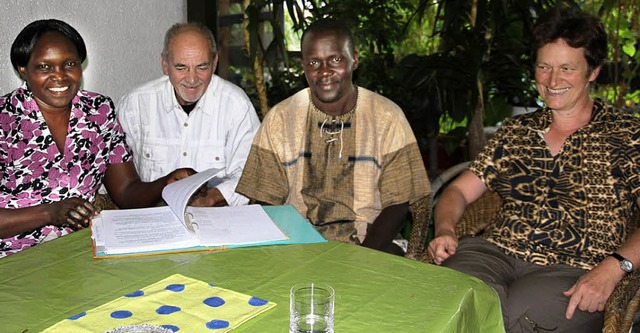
<point>568,179</point>
<point>343,156</point>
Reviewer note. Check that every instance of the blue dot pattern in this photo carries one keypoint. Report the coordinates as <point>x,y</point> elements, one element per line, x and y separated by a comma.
<point>172,327</point>
<point>121,314</point>
<point>175,287</point>
<point>167,302</point>
<point>217,324</point>
<point>214,302</point>
<point>79,315</point>
<point>257,301</point>
<point>167,309</point>
<point>136,293</point>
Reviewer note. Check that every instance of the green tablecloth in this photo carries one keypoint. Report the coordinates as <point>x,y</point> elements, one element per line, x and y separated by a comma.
<point>375,292</point>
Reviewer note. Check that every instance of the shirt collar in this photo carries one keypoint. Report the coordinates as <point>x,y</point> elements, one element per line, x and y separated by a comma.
<point>541,119</point>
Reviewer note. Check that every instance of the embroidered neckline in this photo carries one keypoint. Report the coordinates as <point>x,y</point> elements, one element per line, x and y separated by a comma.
<point>335,124</point>
<point>343,117</point>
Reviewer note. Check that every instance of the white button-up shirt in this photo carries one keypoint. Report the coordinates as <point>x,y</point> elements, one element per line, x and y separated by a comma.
<point>217,133</point>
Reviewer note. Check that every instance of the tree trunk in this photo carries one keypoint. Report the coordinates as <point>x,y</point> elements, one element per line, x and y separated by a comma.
<point>258,71</point>
<point>476,126</point>
<point>224,33</point>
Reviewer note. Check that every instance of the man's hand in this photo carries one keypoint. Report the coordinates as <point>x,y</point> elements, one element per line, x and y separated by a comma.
<point>591,291</point>
<point>178,174</point>
<point>443,246</point>
<point>208,198</point>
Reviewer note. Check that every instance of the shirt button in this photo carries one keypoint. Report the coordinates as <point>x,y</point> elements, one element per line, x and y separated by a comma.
<point>184,154</point>
<point>186,124</point>
<point>147,155</point>
<point>217,158</point>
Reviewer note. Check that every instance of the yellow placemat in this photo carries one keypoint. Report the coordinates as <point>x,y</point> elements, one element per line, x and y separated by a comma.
<point>178,302</point>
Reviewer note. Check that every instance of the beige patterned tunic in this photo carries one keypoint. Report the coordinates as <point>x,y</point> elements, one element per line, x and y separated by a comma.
<point>337,172</point>
<point>572,208</point>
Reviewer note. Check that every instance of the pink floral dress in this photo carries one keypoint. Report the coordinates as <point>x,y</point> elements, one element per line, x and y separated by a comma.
<point>34,172</point>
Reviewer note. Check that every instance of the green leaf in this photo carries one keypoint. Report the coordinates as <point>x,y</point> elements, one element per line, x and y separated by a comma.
<point>629,49</point>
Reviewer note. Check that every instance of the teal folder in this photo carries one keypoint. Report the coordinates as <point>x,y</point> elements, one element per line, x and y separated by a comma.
<point>297,229</point>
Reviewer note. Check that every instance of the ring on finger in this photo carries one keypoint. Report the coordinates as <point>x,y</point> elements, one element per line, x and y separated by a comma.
<point>75,215</point>
<point>82,210</point>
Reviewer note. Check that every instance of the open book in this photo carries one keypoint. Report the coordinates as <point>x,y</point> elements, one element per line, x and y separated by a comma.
<point>177,227</point>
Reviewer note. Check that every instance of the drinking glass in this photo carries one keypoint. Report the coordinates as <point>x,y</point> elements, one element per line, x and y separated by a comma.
<point>311,308</point>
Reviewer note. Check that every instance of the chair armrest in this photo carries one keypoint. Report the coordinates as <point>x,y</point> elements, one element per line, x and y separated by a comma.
<point>421,221</point>
<point>622,305</point>
<point>478,215</point>
<point>103,201</point>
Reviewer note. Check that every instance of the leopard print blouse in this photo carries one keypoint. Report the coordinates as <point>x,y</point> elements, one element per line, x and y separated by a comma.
<point>573,208</point>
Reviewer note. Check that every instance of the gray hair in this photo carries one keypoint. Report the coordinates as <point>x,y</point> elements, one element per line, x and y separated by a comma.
<point>195,26</point>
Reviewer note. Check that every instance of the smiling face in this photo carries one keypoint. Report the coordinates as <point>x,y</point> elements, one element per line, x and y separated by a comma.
<point>563,76</point>
<point>190,64</point>
<point>328,66</point>
<point>53,73</point>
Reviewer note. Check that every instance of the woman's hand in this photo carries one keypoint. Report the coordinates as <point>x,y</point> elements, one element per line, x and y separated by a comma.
<point>592,290</point>
<point>443,246</point>
<point>74,212</point>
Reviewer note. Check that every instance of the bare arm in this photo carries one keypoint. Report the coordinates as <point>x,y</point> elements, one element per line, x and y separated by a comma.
<point>128,191</point>
<point>74,212</point>
<point>464,190</point>
<point>592,290</point>
<point>123,184</point>
<point>386,226</point>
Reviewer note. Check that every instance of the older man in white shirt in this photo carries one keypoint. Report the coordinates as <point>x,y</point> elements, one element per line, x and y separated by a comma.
<point>190,117</point>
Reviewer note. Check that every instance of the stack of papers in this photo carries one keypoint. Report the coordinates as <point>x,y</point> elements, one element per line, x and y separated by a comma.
<point>180,228</point>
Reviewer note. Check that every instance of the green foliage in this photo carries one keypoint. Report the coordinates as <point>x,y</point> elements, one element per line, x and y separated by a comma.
<point>431,58</point>
<point>619,78</point>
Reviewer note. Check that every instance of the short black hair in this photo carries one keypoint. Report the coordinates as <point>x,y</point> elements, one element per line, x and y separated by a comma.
<point>577,28</point>
<point>23,44</point>
<point>331,24</point>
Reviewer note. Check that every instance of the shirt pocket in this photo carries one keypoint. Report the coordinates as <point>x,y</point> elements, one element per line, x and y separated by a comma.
<point>211,155</point>
<point>155,161</point>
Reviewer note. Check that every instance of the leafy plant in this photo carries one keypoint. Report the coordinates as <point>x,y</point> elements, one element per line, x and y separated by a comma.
<point>619,81</point>
<point>461,61</point>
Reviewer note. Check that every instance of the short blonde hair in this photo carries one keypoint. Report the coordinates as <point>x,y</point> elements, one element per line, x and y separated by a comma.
<point>195,26</point>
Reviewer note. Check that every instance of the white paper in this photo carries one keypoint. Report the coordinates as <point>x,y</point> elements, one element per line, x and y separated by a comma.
<point>141,230</point>
<point>220,226</point>
<point>165,228</point>
<point>177,194</point>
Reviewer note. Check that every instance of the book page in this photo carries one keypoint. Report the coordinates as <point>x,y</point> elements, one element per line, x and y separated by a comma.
<point>234,225</point>
<point>141,230</point>
<point>177,194</point>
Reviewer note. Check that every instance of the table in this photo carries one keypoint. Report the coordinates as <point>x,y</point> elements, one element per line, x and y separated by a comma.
<point>375,291</point>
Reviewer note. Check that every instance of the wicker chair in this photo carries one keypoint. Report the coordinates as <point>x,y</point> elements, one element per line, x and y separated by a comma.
<point>421,220</point>
<point>103,201</point>
<point>621,306</point>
